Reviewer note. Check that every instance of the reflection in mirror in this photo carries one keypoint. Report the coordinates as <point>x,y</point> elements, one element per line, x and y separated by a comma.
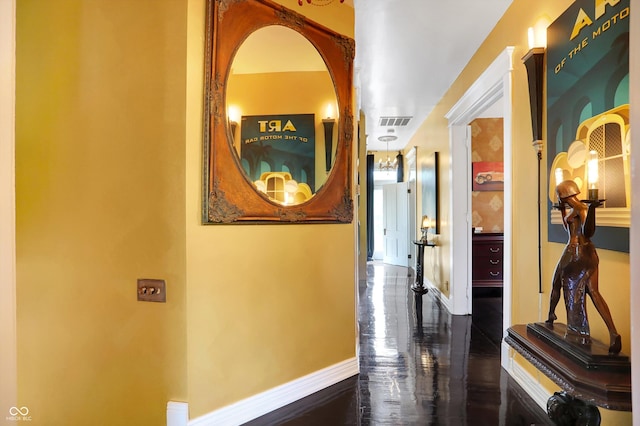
<point>279,98</point>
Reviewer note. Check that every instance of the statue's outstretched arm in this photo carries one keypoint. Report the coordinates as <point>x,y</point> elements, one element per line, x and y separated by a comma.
<point>589,226</point>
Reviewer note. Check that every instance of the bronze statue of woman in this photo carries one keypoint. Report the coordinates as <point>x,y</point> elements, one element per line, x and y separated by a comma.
<point>577,270</point>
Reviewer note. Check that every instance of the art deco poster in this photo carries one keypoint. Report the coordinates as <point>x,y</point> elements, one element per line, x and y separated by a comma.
<point>588,112</point>
<point>279,143</point>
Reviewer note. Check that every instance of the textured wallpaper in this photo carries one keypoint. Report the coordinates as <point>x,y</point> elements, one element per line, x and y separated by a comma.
<point>487,154</point>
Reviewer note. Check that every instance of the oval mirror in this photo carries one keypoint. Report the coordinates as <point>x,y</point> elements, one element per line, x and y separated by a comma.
<point>246,179</point>
<point>280,102</point>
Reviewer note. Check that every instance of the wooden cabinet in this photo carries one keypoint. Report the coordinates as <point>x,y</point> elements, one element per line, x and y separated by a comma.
<point>487,260</point>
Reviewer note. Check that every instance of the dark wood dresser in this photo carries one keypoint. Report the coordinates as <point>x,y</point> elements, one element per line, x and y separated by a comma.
<point>487,259</point>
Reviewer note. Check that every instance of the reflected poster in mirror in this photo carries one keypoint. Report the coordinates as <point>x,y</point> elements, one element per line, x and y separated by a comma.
<point>265,141</point>
<point>278,153</point>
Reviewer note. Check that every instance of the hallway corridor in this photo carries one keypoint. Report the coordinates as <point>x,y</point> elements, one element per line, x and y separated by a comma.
<point>419,365</point>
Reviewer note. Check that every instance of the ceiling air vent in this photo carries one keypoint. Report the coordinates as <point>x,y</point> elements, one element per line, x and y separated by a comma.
<point>394,121</point>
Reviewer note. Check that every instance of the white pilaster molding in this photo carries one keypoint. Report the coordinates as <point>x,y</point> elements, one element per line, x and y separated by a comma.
<point>177,413</point>
<point>492,86</point>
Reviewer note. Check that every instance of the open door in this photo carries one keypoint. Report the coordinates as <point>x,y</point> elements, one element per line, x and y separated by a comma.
<point>395,221</point>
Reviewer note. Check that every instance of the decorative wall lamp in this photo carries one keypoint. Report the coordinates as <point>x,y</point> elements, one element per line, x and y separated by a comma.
<point>328,124</point>
<point>234,118</point>
<point>534,62</point>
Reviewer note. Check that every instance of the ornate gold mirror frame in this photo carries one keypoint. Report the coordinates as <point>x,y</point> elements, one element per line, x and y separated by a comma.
<point>228,194</point>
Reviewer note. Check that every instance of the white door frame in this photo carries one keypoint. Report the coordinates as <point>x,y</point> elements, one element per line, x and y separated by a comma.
<point>8,354</point>
<point>493,85</point>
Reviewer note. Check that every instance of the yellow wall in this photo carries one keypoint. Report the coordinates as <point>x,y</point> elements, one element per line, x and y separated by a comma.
<point>614,267</point>
<point>109,173</point>
<point>100,166</point>
<point>266,304</point>
<point>108,176</point>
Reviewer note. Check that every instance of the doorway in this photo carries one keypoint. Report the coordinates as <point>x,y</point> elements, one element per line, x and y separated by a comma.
<point>394,216</point>
<point>487,221</point>
<point>380,179</point>
<point>492,87</point>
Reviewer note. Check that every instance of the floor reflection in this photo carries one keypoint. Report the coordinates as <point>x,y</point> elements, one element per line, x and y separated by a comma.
<point>419,365</point>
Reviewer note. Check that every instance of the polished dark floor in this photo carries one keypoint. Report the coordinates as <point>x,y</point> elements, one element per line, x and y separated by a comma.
<point>419,365</point>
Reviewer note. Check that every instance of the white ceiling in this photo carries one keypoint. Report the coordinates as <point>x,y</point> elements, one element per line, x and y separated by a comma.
<point>409,52</point>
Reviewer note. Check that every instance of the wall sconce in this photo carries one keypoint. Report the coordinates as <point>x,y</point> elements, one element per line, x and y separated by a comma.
<point>328,124</point>
<point>234,118</point>
<point>426,224</point>
<point>534,62</point>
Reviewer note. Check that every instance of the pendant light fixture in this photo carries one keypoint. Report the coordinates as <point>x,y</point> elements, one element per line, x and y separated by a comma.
<point>388,164</point>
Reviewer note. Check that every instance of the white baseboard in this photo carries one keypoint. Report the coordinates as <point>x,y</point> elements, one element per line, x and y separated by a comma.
<point>438,295</point>
<point>529,383</point>
<point>263,403</point>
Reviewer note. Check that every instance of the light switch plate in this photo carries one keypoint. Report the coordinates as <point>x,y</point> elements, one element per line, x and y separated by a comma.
<point>152,290</point>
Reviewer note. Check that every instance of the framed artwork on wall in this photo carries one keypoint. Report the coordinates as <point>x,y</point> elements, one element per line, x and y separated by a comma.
<point>588,114</point>
<point>487,176</point>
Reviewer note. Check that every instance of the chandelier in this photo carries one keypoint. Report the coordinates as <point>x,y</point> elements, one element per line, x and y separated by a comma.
<point>387,165</point>
<point>318,2</point>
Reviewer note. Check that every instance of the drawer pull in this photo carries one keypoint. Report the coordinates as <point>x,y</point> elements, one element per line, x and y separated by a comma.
<point>494,250</point>
<point>494,274</point>
<point>494,261</point>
